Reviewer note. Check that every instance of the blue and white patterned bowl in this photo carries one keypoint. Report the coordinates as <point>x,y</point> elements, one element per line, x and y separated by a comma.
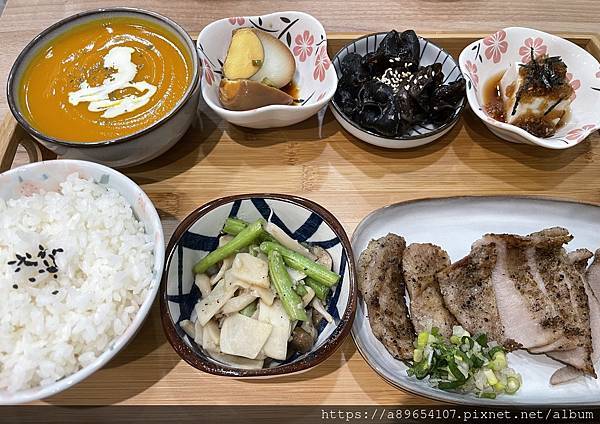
<point>198,234</point>
<point>46,177</point>
<point>419,134</point>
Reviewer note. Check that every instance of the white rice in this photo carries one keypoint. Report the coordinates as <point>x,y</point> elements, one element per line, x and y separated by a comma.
<point>53,327</point>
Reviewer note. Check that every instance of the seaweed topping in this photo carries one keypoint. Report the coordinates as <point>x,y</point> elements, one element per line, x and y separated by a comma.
<point>543,76</point>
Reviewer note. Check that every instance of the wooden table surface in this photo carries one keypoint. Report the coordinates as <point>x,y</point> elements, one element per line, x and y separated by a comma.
<point>324,164</point>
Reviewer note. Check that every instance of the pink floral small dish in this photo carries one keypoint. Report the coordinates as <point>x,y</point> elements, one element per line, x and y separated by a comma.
<point>485,58</point>
<point>303,35</point>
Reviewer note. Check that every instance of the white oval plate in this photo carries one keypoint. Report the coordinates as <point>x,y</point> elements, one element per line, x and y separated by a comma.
<point>454,223</point>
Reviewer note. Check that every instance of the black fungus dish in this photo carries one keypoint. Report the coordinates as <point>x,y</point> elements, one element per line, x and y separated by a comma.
<point>388,92</point>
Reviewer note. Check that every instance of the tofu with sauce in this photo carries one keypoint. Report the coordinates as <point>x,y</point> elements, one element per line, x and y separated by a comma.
<point>537,95</point>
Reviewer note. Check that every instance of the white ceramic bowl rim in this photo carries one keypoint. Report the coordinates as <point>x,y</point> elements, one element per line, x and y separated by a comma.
<point>270,108</point>
<point>429,133</point>
<point>478,110</point>
<point>121,341</point>
<point>47,34</point>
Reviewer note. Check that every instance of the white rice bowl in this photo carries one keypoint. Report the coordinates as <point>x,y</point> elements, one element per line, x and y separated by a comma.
<point>86,269</point>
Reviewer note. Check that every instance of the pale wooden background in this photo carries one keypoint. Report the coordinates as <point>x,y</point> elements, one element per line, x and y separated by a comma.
<point>348,177</point>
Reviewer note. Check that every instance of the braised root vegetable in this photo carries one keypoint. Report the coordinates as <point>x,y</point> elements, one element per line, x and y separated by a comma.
<point>238,303</point>
<point>211,337</point>
<point>276,345</point>
<point>243,336</point>
<point>238,361</point>
<point>210,305</point>
<point>250,269</point>
<point>225,263</point>
<point>203,283</point>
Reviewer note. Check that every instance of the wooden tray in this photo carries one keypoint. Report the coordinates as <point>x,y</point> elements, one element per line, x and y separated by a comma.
<point>345,175</point>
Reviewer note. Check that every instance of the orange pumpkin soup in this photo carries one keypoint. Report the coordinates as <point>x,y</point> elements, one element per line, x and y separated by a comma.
<point>105,79</point>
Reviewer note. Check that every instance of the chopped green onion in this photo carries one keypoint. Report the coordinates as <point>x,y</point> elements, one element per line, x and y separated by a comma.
<point>493,351</point>
<point>455,340</point>
<point>422,339</point>
<point>498,361</point>
<point>482,340</point>
<point>418,355</point>
<point>488,395</point>
<point>490,376</point>
<point>449,385</point>
<point>463,361</point>
<point>512,385</point>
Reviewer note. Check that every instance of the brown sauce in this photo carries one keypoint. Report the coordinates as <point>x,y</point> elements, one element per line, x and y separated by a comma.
<point>293,90</point>
<point>492,100</point>
<point>530,122</point>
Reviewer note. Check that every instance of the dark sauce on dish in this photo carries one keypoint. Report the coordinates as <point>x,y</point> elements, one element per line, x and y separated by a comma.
<point>494,107</point>
<point>492,101</point>
<point>293,90</point>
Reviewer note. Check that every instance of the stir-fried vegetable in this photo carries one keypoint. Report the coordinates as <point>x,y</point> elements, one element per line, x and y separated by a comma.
<point>283,285</point>
<point>244,239</point>
<point>296,261</point>
<point>321,290</point>
<point>465,364</point>
<point>260,290</point>
<point>234,226</point>
<point>249,310</point>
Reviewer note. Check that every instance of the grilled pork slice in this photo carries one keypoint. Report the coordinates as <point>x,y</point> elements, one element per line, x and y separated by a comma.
<point>593,290</point>
<point>507,279</point>
<point>565,283</point>
<point>383,289</point>
<point>469,295</point>
<point>420,265</point>
<point>526,312</point>
<point>579,259</point>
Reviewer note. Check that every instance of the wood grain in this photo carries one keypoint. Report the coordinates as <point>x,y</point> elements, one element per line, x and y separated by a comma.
<point>324,164</point>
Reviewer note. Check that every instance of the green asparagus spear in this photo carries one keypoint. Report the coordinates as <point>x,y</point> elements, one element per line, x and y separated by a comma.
<point>233,226</point>
<point>292,303</point>
<point>300,290</point>
<point>301,263</point>
<point>249,310</point>
<point>245,238</point>
<point>321,290</point>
